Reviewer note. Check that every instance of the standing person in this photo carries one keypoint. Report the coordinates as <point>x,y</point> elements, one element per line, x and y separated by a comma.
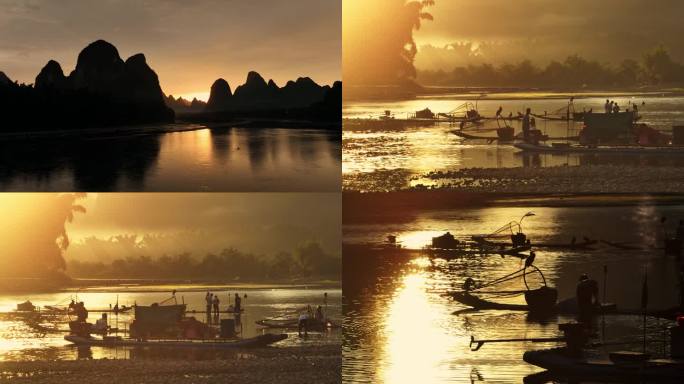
<point>607,107</point>
<point>209,299</point>
<point>238,304</point>
<point>587,297</point>
<point>303,324</point>
<point>616,108</point>
<point>216,302</point>
<point>526,125</point>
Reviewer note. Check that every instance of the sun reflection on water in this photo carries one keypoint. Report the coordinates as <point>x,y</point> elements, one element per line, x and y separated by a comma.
<point>415,342</point>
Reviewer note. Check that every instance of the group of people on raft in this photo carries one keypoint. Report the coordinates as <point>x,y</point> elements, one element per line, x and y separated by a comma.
<point>213,304</point>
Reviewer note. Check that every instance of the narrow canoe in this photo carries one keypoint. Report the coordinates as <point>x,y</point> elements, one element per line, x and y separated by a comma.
<point>252,342</point>
<point>294,323</point>
<point>557,361</point>
<point>619,150</point>
<point>568,306</point>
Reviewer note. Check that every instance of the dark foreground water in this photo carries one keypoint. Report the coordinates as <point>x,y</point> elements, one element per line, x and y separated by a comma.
<point>21,341</point>
<point>399,328</point>
<point>226,159</point>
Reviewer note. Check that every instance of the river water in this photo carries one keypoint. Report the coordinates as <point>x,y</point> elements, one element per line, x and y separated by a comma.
<point>400,328</point>
<point>411,152</point>
<point>20,341</point>
<point>225,159</point>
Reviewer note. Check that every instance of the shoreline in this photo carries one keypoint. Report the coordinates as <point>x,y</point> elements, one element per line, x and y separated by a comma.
<point>474,93</point>
<point>287,365</point>
<point>398,206</point>
<point>15,286</point>
<point>162,128</point>
<point>562,179</point>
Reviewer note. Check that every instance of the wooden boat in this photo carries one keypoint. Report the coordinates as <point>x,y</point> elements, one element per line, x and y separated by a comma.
<point>558,361</point>
<point>116,341</point>
<point>475,302</point>
<point>617,150</point>
<point>566,307</point>
<point>585,244</point>
<point>461,252</point>
<point>628,246</point>
<point>293,323</point>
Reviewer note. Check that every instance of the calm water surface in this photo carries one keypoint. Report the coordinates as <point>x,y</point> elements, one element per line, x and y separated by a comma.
<point>414,151</point>
<point>227,159</point>
<point>19,341</point>
<point>399,328</point>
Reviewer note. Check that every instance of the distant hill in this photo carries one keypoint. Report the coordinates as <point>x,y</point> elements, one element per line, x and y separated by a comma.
<point>258,95</point>
<point>182,105</point>
<point>102,90</point>
<point>258,98</point>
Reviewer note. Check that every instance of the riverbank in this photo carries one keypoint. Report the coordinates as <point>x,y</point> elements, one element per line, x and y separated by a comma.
<point>156,129</point>
<point>310,364</point>
<point>526,180</point>
<point>560,179</point>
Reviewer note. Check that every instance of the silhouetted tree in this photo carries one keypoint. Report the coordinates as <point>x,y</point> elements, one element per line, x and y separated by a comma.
<point>378,40</point>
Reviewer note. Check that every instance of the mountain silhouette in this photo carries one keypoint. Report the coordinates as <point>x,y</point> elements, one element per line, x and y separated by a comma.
<point>102,90</point>
<point>256,94</point>
<point>182,105</point>
<point>220,96</point>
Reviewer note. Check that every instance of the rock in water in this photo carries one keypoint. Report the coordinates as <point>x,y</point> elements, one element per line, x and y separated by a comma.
<point>220,96</point>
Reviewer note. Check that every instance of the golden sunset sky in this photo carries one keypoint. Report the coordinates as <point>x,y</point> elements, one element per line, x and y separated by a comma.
<point>188,43</point>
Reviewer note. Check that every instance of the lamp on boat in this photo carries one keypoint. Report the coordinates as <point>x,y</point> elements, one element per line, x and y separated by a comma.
<point>528,214</point>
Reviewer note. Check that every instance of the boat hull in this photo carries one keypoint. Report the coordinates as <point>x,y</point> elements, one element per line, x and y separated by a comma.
<point>253,342</point>
<point>557,361</point>
<point>624,150</point>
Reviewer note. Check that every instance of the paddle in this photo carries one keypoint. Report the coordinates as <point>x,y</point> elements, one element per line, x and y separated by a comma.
<point>480,343</point>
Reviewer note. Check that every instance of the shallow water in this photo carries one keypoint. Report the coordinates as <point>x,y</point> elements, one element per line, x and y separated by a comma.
<point>227,159</point>
<point>399,328</point>
<point>20,341</point>
<point>414,151</point>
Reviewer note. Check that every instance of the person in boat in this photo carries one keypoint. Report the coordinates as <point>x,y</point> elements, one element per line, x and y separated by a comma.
<point>526,125</point>
<point>215,303</point>
<point>238,304</point>
<point>616,108</point>
<point>608,107</point>
<point>101,325</point>
<point>209,298</point>
<point>319,314</point>
<point>81,312</point>
<point>587,297</point>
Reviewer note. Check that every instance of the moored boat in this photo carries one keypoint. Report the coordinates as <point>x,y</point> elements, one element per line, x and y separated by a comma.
<point>559,361</point>
<point>563,148</point>
<point>115,341</point>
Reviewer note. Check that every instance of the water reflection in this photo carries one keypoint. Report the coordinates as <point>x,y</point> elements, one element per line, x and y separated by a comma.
<point>411,152</point>
<point>400,328</point>
<point>221,159</point>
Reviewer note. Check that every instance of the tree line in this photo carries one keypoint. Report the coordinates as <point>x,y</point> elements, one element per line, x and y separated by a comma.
<point>307,262</point>
<point>656,68</point>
